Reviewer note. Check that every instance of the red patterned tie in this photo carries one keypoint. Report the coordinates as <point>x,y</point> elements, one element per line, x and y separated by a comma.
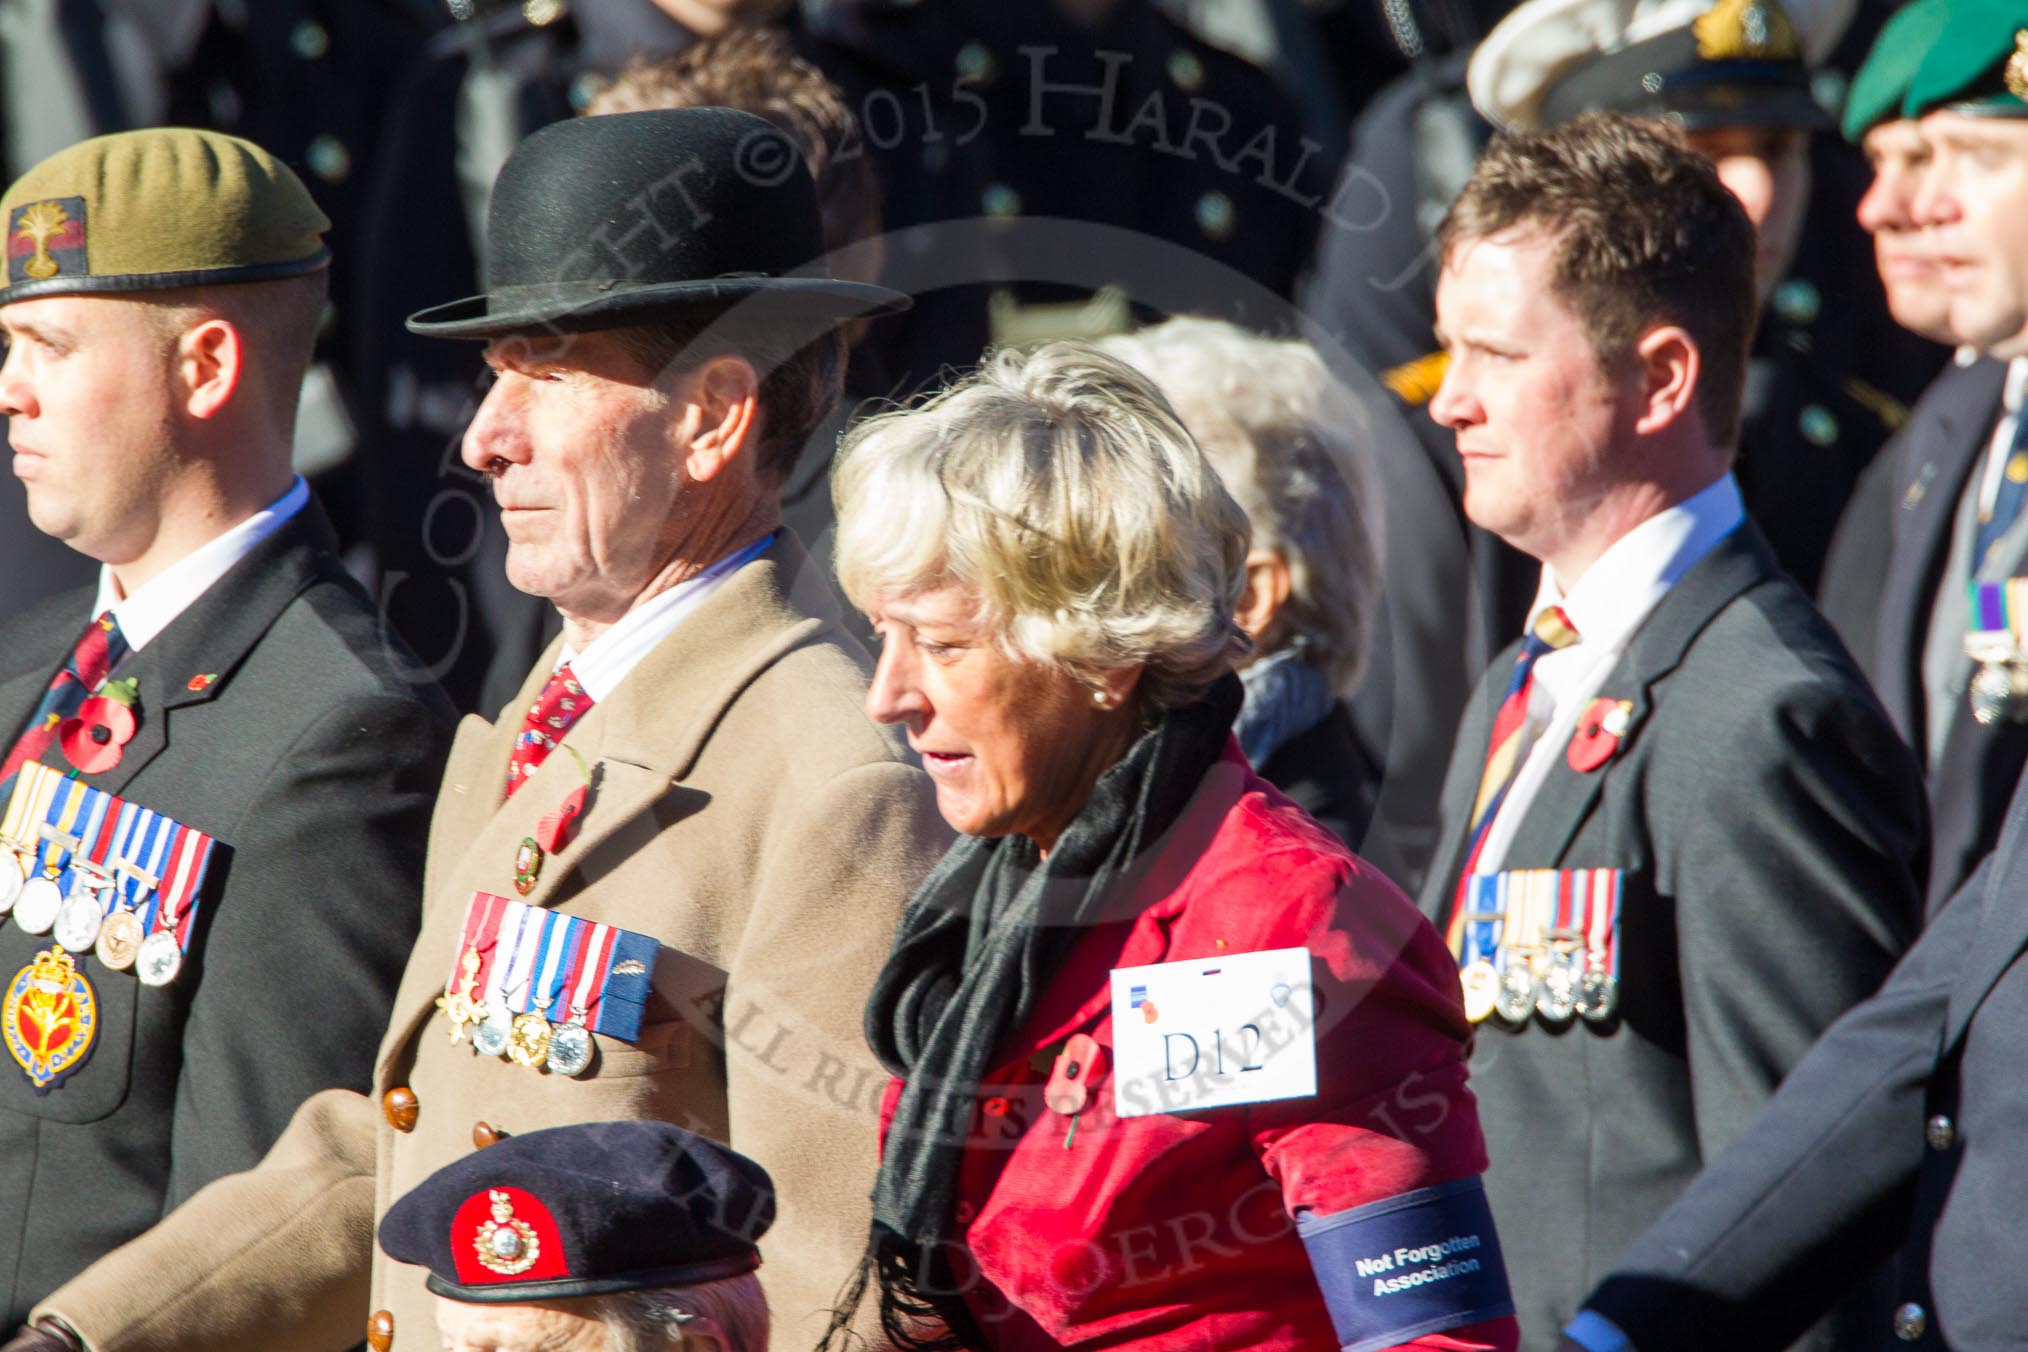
<point>97,651</point>
<point>1552,630</point>
<point>561,703</point>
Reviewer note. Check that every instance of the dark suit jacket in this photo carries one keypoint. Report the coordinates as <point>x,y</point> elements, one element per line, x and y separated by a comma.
<point>1769,822</point>
<point>314,762</point>
<point>1974,775</point>
<point>1904,1125</point>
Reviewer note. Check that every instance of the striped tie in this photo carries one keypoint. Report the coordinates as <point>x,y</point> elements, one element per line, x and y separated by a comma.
<point>1995,521</point>
<point>97,651</point>
<point>1552,630</point>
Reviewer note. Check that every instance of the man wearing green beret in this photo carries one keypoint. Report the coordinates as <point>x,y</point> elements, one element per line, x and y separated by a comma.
<point>215,771</point>
<point>1942,519</point>
<point>1903,1127</point>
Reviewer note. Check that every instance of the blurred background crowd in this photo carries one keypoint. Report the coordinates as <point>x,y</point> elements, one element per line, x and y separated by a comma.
<point>1054,168</point>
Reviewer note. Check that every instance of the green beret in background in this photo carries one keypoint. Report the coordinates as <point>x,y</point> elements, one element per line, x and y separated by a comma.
<point>1977,64</point>
<point>153,209</point>
<point>1881,83</point>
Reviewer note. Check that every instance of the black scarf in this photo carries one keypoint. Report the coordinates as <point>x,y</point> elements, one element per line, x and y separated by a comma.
<point>984,933</point>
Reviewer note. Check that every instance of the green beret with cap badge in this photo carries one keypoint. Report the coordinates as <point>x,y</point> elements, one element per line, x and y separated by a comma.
<point>1978,63</point>
<point>154,209</point>
<point>1881,82</point>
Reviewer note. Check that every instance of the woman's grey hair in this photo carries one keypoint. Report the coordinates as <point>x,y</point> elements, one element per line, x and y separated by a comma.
<point>1291,443</point>
<point>732,1309</point>
<point>1059,489</point>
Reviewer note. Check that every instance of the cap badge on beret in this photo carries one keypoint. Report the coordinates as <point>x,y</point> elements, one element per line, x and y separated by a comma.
<point>2016,74</point>
<point>1746,30</point>
<point>46,238</point>
<point>504,1243</point>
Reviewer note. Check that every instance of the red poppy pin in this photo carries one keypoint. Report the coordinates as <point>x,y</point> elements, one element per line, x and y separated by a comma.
<point>560,823</point>
<point>1598,734</point>
<point>93,739</point>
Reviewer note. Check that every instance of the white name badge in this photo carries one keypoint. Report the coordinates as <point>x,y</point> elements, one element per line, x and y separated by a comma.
<point>1211,1032</point>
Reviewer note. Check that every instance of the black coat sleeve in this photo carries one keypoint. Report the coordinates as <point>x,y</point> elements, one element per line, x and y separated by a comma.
<point>1817,1189</point>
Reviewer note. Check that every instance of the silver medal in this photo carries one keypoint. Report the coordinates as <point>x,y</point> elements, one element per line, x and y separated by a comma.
<point>1992,691</point>
<point>490,1038</point>
<point>160,959</point>
<point>1556,994</point>
<point>35,909</point>
<point>1517,991</point>
<point>77,924</point>
<point>119,942</point>
<point>1598,996</point>
<point>12,880</point>
<point>570,1049</point>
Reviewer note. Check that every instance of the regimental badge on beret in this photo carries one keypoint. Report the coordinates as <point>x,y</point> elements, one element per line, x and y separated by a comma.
<point>46,239</point>
<point>1747,30</point>
<point>504,1244</point>
<point>2016,73</point>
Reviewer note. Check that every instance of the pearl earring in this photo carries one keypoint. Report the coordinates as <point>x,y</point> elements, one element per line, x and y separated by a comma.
<point>1100,698</point>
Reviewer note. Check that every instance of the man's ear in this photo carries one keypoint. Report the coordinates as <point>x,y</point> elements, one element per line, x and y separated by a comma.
<point>1268,583</point>
<point>211,363</point>
<point>725,413</point>
<point>1670,368</point>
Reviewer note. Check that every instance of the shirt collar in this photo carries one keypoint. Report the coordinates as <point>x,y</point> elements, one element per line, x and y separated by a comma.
<point>155,606</point>
<point>607,659</point>
<point>1616,593</point>
<point>2015,385</point>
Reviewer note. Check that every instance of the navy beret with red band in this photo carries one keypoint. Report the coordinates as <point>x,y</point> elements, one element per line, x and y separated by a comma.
<point>583,1211</point>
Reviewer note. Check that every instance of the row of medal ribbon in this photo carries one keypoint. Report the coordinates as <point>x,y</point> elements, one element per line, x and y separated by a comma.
<point>1540,942</point>
<point>518,965</point>
<point>1998,642</point>
<point>100,874</point>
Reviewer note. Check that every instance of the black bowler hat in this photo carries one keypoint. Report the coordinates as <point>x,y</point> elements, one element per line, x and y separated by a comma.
<point>583,1211</point>
<point>604,222</point>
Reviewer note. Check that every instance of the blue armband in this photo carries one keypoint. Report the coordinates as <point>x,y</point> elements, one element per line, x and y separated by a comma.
<point>1404,1266</point>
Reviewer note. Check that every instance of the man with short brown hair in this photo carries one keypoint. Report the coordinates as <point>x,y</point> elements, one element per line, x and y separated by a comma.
<point>1678,828</point>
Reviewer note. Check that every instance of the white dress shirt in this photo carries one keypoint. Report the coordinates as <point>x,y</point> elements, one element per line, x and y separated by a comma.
<point>1606,606</point>
<point>155,606</point>
<point>607,659</point>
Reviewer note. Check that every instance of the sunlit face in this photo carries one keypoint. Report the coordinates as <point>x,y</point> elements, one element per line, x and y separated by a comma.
<point>550,1326</point>
<point>1905,255</point>
<point>1768,170</point>
<point>88,391</point>
<point>1972,207</point>
<point>1536,419</point>
<point>1013,747</point>
<point>586,458</point>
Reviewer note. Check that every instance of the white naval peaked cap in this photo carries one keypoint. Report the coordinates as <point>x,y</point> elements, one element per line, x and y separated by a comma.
<point>1532,69</point>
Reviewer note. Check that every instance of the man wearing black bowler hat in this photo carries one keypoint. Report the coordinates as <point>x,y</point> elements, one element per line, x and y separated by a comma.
<point>659,884</point>
<point>602,1237</point>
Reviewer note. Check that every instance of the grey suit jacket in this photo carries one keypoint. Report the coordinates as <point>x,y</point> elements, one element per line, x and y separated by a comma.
<point>313,761</point>
<point>1769,822</point>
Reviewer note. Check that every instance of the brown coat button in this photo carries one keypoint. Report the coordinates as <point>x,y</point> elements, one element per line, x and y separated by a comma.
<point>399,1106</point>
<point>484,1135</point>
<point>380,1331</point>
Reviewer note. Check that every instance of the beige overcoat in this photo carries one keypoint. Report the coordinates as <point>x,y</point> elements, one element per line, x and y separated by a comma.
<point>747,815</point>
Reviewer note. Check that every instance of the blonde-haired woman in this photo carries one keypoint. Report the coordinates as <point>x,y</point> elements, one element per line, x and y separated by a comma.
<point>1053,567</point>
<point>1289,441</point>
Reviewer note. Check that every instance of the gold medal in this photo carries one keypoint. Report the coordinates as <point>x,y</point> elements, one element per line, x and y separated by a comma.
<point>458,1006</point>
<point>119,940</point>
<point>528,1044</point>
<point>50,1018</point>
<point>1481,985</point>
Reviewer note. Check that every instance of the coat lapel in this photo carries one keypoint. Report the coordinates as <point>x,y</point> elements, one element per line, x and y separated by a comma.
<point>1943,448</point>
<point>1738,562</point>
<point>639,743</point>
